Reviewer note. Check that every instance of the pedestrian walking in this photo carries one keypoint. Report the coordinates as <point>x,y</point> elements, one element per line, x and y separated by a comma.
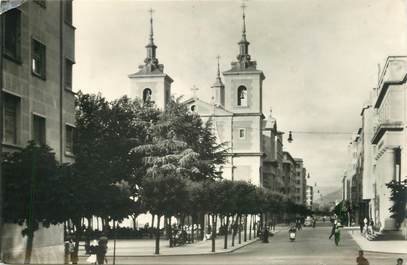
<point>365,223</point>
<point>265,235</point>
<point>361,224</point>
<point>101,250</point>
<point>361,260</point>
<point>337,234</point>
<point>333,229</point>
<point>399,261</point>
<point>70,247</point>
<point>370,226</point>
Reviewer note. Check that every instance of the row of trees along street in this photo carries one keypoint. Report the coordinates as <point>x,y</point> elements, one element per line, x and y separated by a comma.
<point>132,158</point>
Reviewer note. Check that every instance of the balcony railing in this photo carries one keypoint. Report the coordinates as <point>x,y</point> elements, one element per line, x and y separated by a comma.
<point>383,126</point>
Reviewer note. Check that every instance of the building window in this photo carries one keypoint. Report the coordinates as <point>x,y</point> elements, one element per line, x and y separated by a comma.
<point>12,34</point>
<point>38,59</point>
<point>147,95</point>
<point>42,3</point>
<point>69,138</point>
<point>242,96</point>
<point>11,105</point>
<point>38,133</point>
<point>68,74</point>
<point>68,11</point>
<point>242,133</point>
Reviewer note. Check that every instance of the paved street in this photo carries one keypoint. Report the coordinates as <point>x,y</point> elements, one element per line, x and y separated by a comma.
<point>311,247</point>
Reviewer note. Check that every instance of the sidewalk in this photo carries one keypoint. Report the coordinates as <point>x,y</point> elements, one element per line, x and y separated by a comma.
<point>146,247</point>
<point>391,246</point>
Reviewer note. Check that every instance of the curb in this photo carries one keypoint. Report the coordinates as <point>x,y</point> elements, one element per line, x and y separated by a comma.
<point>374,251</point>
<point>380,252</point>
<point>186,254</point>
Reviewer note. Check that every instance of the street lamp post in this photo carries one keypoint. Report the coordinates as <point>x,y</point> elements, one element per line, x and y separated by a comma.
<point>1,134</point>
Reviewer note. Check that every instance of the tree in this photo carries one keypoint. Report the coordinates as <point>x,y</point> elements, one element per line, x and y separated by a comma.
<point>227,204</point>
<point>31,189</point>
<point>168,161</point>
<point>398,195</point>
<point>105,179</point>
<point>163,195</point>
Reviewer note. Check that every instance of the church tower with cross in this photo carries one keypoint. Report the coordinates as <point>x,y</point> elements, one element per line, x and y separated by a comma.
<point>236,115</point>
<point>243,97</point>
<point>151,83</point>
<point>243,81</point>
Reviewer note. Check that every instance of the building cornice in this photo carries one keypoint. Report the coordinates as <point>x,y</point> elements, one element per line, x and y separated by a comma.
<point>247,72</point>
<point>144,75</point>
<point>237,154</point>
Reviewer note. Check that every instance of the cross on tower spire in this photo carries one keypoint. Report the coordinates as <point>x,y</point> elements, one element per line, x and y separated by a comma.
<point>218,82</point>
<point>244,57</point>
<point>194,90</point>
<point>218,57</point>
<point>151,61</point>
<point>151,11</point>
<point>243,6</point>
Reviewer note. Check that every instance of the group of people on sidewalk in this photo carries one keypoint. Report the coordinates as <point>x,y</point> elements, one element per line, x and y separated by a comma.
<point>366,226</point>
<point>97,252</point>
<point>361,260</point>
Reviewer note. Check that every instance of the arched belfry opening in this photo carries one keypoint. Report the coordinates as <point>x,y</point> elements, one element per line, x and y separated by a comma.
<point>147,93</point>
<point>242,96</point>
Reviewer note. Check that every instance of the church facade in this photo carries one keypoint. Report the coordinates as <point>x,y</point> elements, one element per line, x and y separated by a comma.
<point>255,146</point>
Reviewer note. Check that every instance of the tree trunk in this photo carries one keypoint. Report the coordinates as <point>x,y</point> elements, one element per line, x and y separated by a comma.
<point>233,230</point>
<point>256,225</point>
<point>201,221</point>
<point>152,225</point>
<point>170,231</point>
<point>193,228</point>
<point>250,227</point>
<point>166,232</point>
<point>213,231</point>
<point>134,218</point>
<point>78,232</point>
<point>245,227</point>
<point>157,236</point>
<point>29,246</point>
<point>240,229</point>
<point>90,224</point>
<point>103,224</point>
<point>226,232</point>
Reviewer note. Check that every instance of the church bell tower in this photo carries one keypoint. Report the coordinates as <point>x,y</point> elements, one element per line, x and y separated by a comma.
<point>150,83</point>
<point>243,82</point>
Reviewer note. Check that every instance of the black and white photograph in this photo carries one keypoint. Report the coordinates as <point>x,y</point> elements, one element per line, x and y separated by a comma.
<point>203,132</point>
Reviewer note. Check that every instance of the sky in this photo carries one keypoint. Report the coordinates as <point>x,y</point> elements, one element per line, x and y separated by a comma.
<point>320,59</point>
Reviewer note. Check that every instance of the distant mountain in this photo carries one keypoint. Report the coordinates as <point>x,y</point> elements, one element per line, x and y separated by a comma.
<point>328,195</point>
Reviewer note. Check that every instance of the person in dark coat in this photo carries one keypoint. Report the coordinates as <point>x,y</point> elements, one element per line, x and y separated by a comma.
<point>265,235</point>
<point>101,251</point>
<point>333,230</point>
<point>361,260</point>
<point>361,225</point>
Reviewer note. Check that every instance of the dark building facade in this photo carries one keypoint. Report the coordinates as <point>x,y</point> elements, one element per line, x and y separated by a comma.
<point>38,102</point>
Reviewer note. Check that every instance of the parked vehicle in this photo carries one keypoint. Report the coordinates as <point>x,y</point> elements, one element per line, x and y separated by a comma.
<point>308,221</point>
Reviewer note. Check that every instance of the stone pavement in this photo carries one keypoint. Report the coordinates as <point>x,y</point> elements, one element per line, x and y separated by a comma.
<point>390,246</point>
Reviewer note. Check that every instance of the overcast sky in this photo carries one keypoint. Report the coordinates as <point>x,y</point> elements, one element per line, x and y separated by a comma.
<point>320,58</point>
